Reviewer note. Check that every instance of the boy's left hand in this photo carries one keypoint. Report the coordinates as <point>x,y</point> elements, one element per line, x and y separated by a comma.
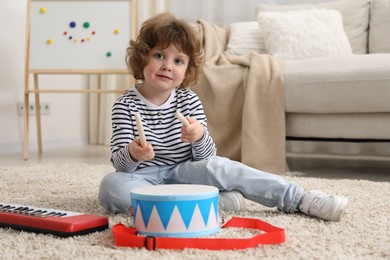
<point>192,133</point>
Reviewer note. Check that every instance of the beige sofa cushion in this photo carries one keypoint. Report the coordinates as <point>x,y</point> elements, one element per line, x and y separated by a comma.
<point>348,126</point>
<point>355,18</point>
<point>344,84</point>
<point>244,38</point>
<point>379,36</point>
<point>304,34</point>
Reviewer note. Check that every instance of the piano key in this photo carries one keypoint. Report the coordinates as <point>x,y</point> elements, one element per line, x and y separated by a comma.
<point>43,211</point>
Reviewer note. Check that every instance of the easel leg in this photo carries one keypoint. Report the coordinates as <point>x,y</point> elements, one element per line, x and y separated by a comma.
<point>38,114</point>
<point>25,138</point>
<point>99,86</point>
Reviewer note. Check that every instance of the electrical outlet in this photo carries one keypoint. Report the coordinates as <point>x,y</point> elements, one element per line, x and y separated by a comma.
<point>45,108</point>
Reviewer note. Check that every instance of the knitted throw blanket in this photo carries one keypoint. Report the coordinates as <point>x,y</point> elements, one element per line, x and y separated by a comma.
<point>243,98</point>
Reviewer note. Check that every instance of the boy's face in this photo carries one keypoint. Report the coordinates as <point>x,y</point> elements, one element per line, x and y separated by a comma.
<point>166,68</point>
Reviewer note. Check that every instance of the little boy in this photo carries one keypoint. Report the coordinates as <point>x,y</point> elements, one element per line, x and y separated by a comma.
<point>167,59</point>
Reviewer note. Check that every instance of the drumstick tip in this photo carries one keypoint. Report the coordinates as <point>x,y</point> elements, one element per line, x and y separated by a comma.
<point>140,129</point>
<point>180,116</point>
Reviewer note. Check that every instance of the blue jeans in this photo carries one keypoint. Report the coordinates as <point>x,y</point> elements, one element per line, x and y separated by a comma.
<point>267,189</point>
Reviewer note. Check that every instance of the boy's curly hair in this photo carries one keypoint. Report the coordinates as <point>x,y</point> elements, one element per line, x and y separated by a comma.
<point>162,30</point>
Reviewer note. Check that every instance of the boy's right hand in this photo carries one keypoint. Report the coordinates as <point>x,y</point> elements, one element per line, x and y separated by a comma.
<point>139,153</point>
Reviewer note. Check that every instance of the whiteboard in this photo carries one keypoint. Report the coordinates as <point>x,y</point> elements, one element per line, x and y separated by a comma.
<point>69,34</point>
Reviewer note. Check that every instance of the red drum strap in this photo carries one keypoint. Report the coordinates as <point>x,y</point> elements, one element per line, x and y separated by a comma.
<point>127,237</point>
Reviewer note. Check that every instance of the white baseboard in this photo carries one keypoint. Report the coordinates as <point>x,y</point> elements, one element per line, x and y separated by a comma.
<point>17,147</point>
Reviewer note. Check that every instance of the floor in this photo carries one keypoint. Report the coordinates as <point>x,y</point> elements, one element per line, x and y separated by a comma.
<point>368,168</point>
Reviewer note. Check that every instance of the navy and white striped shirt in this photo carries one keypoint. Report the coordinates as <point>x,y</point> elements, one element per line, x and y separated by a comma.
<point>162,130</point>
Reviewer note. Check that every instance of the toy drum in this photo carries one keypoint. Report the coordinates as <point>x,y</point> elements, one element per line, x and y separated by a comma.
<point>175,210</point>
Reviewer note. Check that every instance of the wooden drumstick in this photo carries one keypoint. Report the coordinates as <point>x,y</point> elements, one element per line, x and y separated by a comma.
<point>182,118</point>
<point>140,129</point>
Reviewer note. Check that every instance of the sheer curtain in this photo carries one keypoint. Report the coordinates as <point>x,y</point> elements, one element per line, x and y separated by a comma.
<point>221,12</point>
<point>100,105</point>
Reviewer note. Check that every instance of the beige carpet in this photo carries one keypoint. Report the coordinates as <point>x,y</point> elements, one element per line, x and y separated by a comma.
<point>363,233</point>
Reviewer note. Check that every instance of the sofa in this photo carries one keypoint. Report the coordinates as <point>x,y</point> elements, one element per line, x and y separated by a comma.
<point>343,96</point>
<point>338,89</point>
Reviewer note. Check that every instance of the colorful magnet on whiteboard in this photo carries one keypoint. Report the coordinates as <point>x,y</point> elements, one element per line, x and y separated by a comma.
<point>75,40</point>
<point>70,37</point>
<point>88,38</point>
<point>116,31</point>
<point>65,33</point>
<point>42,10</point>
<point>72,24</point>
<point>49,41</point>
<point>93,32</point>
<point>108,54</point>
<point>86,25</point>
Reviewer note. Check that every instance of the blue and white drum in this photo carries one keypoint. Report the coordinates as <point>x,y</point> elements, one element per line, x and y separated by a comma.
<point>176,210</point>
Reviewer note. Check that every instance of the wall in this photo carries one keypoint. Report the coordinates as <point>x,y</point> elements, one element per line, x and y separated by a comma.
<point>222,12</point>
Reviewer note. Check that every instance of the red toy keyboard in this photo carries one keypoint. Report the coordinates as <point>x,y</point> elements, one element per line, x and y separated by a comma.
<point>50,221</point>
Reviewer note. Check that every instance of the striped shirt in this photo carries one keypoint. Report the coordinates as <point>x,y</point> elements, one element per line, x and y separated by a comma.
<point>162,130</point>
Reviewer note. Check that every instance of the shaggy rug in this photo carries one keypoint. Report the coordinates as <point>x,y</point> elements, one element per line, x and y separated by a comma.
<point>362,233</point>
